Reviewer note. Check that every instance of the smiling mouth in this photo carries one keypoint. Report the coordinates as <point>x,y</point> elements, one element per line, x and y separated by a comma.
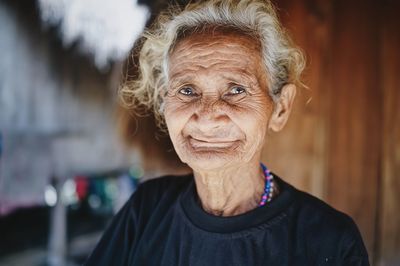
<point>211,144</point>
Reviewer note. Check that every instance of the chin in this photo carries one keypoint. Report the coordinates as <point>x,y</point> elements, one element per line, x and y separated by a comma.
<point>209,163</point>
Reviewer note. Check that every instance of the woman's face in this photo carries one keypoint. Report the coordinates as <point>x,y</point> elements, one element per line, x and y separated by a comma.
<point>217,107</point>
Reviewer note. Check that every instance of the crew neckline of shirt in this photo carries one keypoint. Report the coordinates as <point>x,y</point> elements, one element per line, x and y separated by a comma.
<point>231,224</point>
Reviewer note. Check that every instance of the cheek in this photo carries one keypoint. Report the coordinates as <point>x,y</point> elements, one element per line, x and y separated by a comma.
<point>252,117</point>
<point>175,117</point>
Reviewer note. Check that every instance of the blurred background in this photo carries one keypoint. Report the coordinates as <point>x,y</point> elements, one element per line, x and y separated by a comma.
<point>70,155</point>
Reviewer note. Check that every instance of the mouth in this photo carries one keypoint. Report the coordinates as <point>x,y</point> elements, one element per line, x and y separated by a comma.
<point>211,144</point>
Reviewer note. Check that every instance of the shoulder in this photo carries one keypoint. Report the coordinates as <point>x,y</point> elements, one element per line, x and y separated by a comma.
<point>328,230</point>
<point>323,213</point>
<point>311,211</point>
<point>130,222</point>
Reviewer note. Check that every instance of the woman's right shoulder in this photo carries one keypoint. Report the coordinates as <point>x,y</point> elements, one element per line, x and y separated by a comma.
<point>151,197</point>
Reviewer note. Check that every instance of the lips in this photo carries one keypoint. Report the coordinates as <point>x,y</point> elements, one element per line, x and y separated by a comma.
<point>210,143</point>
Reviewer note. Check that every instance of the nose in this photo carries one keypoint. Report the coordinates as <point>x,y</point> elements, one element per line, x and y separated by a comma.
<point>210,115</point>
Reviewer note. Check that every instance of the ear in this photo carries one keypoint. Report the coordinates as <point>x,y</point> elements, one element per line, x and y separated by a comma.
<point>283,107</point>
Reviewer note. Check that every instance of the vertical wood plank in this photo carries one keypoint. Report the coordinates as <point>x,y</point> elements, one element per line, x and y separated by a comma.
<point>389,239</point>
<point>355,117</point>
<point>298,153</point>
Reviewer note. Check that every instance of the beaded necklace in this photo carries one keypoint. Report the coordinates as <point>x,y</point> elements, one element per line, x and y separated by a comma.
<point>269,186</point>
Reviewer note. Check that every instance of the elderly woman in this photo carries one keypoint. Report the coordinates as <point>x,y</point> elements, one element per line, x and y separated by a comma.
<point>219,74</point>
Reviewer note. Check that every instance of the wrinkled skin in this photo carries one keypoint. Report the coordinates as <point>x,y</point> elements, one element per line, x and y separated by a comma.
<point>218,110</point>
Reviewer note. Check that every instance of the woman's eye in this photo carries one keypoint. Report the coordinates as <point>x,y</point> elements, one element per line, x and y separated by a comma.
<point>187,91</point>
<point>237,90</point>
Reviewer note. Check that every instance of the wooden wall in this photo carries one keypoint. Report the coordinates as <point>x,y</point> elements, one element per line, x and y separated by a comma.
<point>388,237</point>
<point>342,142</point>
<point>344,145</point>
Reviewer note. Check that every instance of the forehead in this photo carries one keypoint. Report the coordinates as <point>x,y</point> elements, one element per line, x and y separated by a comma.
<point>224,51</point>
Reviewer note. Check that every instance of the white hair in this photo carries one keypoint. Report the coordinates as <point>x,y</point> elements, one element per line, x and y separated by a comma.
<point>283,61</point>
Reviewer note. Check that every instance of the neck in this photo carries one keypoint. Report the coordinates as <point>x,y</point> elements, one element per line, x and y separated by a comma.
<point>230,191</point>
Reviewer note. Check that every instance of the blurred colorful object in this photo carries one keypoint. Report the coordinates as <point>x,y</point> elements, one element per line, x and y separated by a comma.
<point>102,193</point>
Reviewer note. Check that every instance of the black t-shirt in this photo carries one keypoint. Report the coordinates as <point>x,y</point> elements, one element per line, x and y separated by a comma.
<point>164,224</point>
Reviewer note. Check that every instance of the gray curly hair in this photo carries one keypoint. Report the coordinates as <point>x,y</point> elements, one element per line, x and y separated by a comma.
<point>283,61</point>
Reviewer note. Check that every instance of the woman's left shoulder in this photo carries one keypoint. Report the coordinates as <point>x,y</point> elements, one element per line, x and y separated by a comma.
<point>326,227</point>
<point>323,213</point>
